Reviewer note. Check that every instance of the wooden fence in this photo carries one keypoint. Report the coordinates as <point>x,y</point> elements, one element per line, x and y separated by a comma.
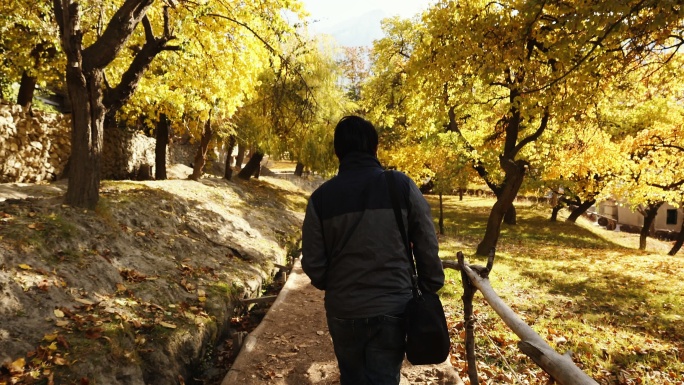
<point>560,367</point>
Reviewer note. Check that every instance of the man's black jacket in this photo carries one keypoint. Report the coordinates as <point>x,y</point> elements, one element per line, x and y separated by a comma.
<point>352,247</point>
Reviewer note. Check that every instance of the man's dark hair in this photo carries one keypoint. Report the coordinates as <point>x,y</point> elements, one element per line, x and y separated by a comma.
<point>355,134</point>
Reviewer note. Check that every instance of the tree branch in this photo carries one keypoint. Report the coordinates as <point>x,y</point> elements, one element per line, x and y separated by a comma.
<point>540,130</point>
<point>116,97</point>
<point>119,29</point>
<point>595,44</point>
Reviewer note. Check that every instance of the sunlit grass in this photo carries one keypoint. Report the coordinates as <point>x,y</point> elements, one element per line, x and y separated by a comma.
<point>582,288</point>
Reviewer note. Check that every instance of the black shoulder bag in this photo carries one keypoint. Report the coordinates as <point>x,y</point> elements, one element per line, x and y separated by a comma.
<point>427,336</point>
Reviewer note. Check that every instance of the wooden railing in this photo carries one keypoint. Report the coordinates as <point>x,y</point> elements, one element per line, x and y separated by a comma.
<point>560,367</point>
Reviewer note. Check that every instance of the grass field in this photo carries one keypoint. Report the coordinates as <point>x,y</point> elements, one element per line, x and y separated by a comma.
<point>582,288</point>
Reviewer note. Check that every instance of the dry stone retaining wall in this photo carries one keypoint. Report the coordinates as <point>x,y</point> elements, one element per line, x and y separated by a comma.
<point>35,147</point>
<point>32,148</point>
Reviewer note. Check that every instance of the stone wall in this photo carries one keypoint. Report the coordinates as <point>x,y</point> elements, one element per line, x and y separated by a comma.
<point>35,147</point>
<point>124,152</point>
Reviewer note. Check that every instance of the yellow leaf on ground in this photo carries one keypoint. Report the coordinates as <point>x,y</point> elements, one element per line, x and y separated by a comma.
<point>167,325</point>
<point>25,266</point>
<point>85,301</point>
<point>59,361</point>
<point>17,366</point>
<point>59,313</point>
<point>50,337</point>
<point>120,288</point>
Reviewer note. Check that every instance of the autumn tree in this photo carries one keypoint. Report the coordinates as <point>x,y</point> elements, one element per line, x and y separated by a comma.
<point>584,159</point>
<point>645,110</point>
<point>297,103</point>
<point>226,46</point>
<point>384,92</point>
<point>29,48</point>
<point>89,50</point>
<point>505,75</point>
<point>354,64</point>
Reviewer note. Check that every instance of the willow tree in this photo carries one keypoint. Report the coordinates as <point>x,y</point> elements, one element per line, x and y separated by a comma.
<point>504,75</point>
<point>296,104</point>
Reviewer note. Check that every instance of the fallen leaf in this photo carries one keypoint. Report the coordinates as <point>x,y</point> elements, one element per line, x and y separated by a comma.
<point>59,361</point>
<point>85,301</point>
<point>50,337</point>
<point>167,325</point>
<point>17,366</point>
<point>43,285</point>
<point>140,233</point>
<point>62,323</point>
<point>25,266</point>
<point>59,313</point>
<point>94,333</point>
<point>560,340</point>
<point>120,288</point>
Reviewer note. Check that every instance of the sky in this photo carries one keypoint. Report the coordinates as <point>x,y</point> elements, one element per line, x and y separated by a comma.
<point>357,22</point>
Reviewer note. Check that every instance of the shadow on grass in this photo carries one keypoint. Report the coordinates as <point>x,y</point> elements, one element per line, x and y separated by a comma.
<point>606,281</point>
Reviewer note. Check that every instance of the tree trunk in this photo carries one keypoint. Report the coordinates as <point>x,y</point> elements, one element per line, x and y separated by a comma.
<point>460,194</point>
<point>441,214</point>
<point>515,174</point>
<point>240,157</point>
<point>299,170</point>
<point>201,156</point>
<point>162,134</point>
<point>228,172</point>
<point>26,90</point>
<point>252,167</point>
<point>511,216</point>
<point>90,99</point>
<point>87,127</point>
<point>581,209</point>
<point>678,243</point>
<point>554,212</point>
<point>649,218</point>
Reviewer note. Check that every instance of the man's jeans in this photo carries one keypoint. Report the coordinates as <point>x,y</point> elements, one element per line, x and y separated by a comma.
<point>369,350</point>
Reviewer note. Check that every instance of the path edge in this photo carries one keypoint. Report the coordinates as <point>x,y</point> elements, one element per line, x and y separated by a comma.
<point>242,359</point>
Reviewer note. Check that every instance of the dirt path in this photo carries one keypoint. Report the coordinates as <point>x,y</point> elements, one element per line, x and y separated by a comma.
<point>292,345</point>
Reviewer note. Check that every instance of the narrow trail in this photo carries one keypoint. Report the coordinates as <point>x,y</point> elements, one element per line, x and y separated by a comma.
<point>292,346</point>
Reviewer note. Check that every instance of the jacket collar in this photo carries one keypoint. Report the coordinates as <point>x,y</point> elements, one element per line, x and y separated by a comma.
<point>356,160</point>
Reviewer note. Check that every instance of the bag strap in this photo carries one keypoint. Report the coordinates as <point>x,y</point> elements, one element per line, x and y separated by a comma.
<point>394,194</point>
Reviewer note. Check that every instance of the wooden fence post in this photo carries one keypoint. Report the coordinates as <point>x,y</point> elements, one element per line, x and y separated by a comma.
<point>468,294</point>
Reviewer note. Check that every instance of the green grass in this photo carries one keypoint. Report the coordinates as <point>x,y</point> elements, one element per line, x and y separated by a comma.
<point>582,288</point>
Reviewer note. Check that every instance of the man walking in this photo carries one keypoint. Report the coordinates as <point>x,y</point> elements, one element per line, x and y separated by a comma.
<point>352,248</point>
